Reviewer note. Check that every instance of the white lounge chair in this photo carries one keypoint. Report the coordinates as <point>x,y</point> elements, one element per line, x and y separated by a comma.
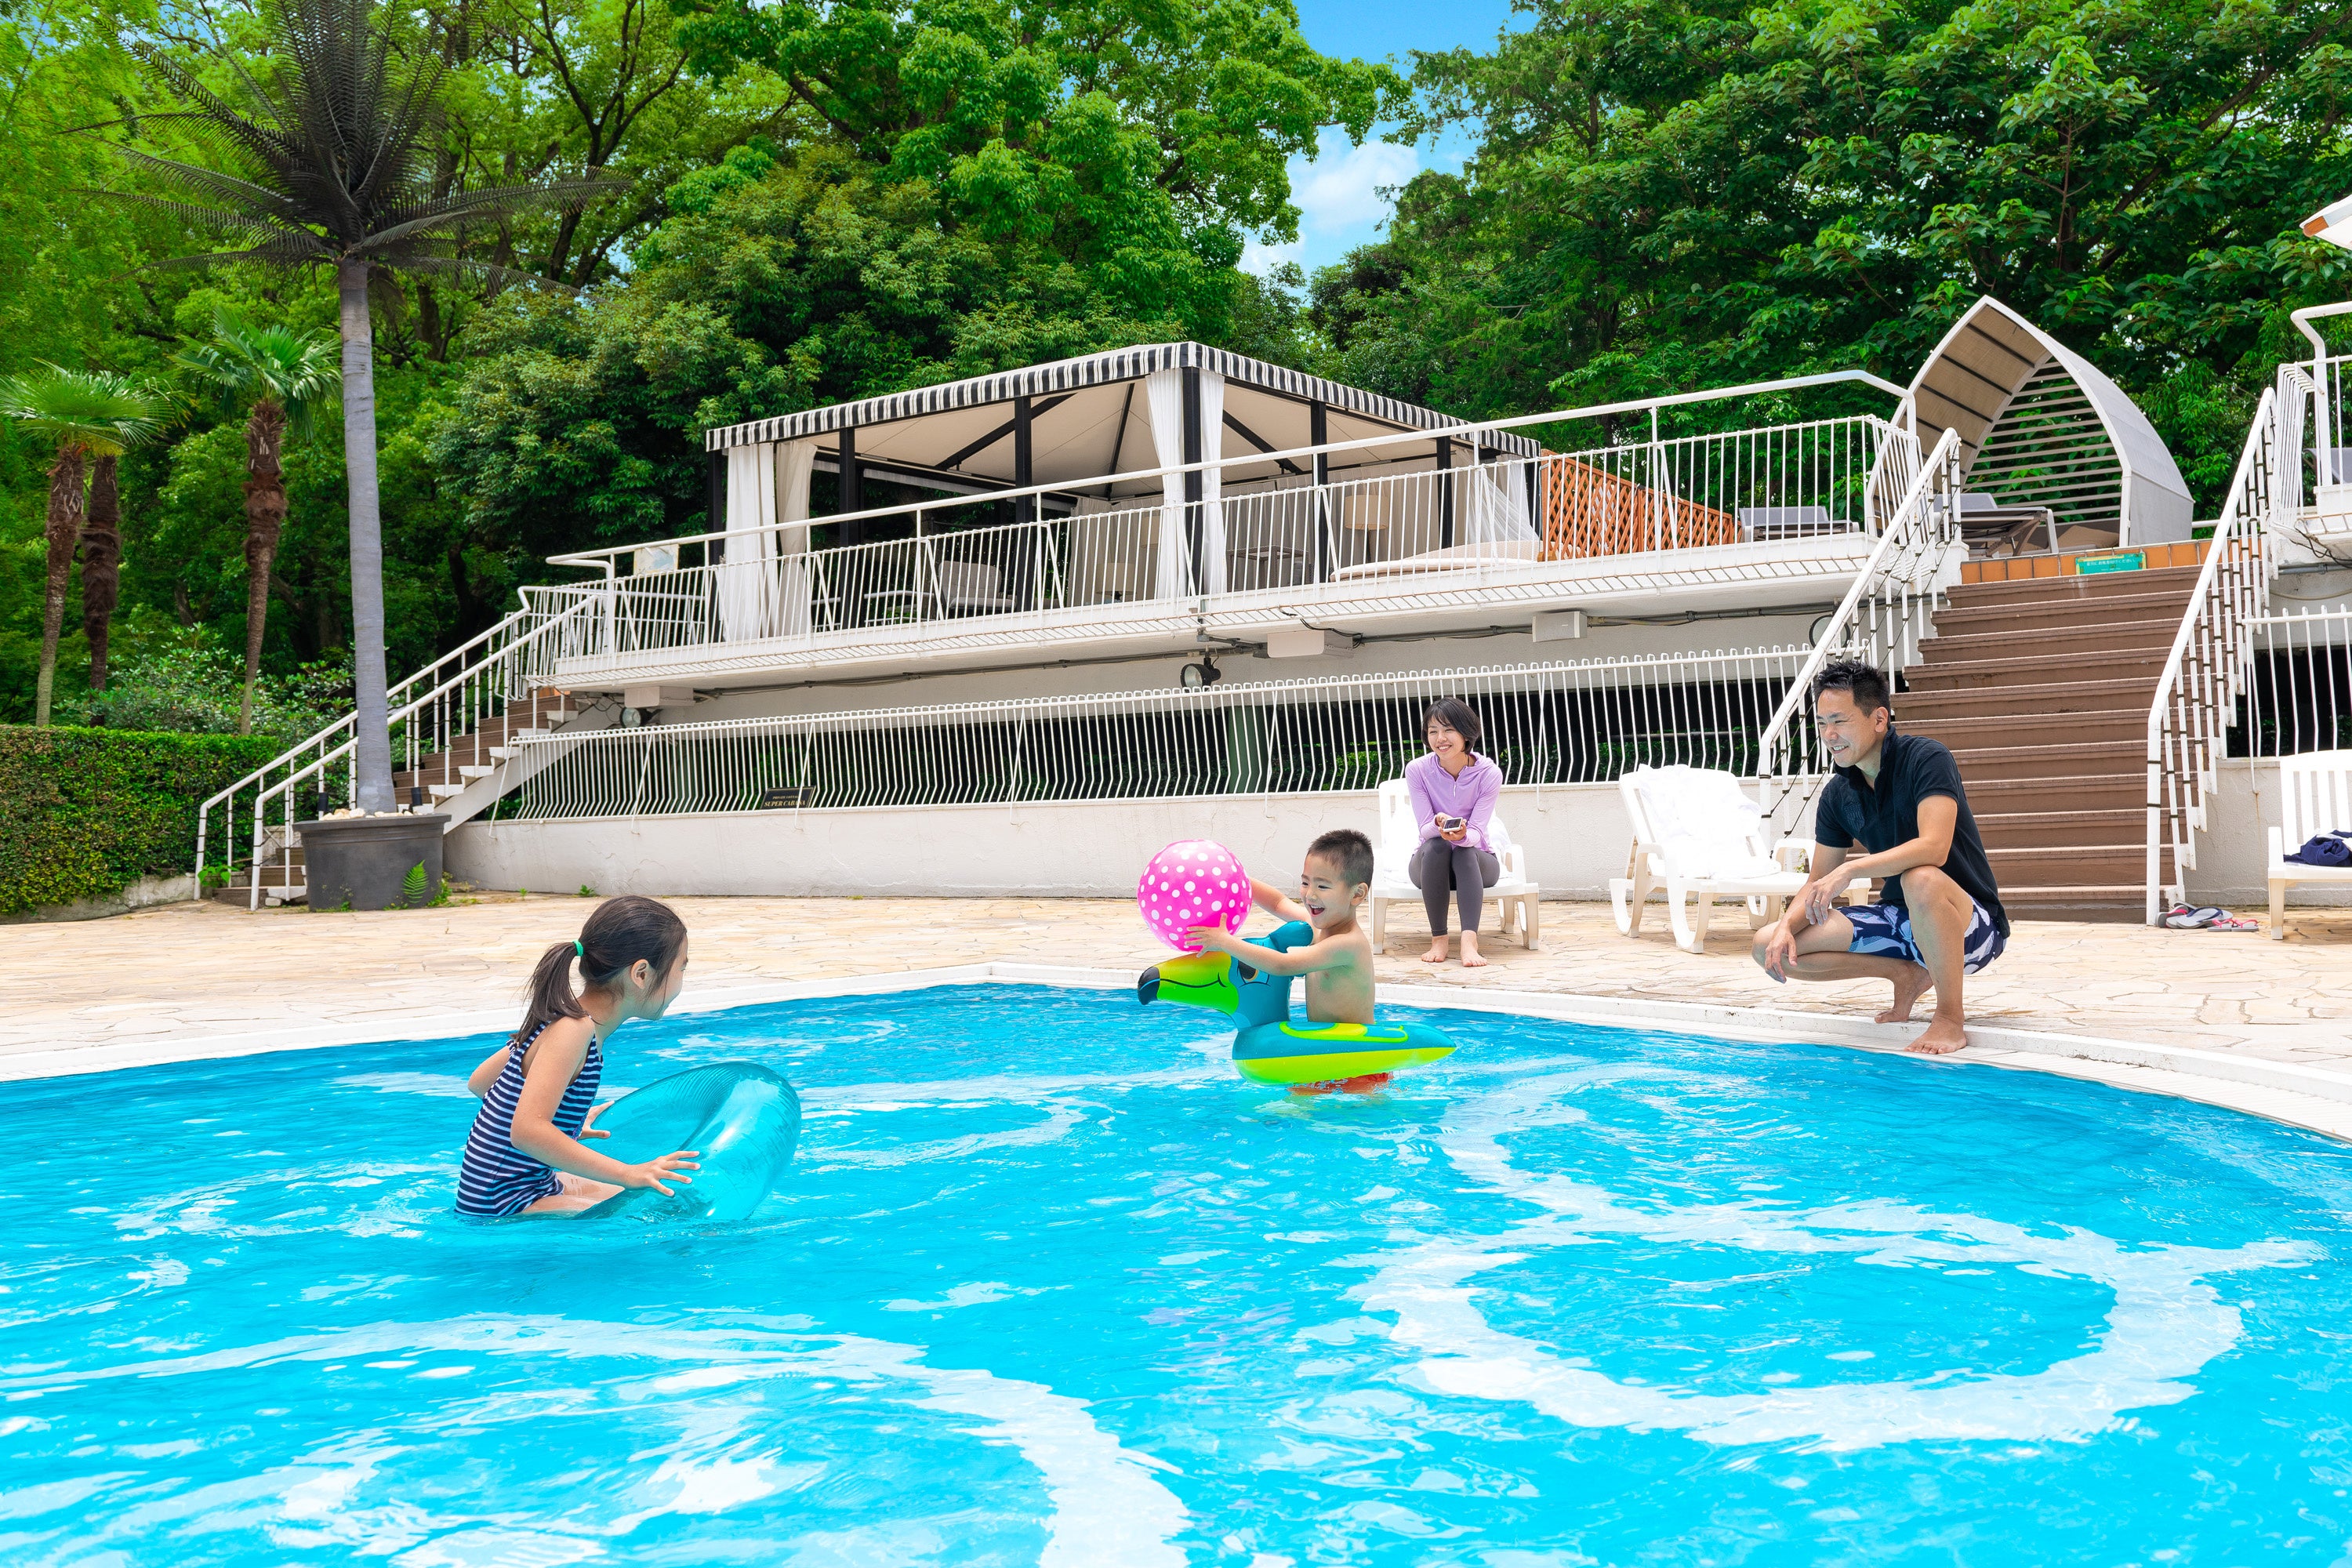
<point>1699,836</point>
<point>2315,797</point>
<point>1518,900</point>
<point>972,588</point>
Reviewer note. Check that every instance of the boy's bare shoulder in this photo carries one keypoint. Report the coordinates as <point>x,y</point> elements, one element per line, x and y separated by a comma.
<point>1357,944</point>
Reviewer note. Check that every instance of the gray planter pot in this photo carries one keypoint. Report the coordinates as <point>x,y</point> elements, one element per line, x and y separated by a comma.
<point>363,862</point>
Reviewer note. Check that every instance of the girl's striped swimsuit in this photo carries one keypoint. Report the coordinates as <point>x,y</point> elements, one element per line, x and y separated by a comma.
<point>499,1179</point>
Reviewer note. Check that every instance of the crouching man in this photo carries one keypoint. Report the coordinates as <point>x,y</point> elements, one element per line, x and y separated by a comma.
<point>1899,798</point>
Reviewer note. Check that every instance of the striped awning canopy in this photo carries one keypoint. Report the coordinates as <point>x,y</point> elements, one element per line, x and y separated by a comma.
<point>2040,426</point>
<point>1090,417</point>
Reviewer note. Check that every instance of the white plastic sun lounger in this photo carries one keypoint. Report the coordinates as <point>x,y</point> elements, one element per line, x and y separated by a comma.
<point>1518,901</point>
<point>1698,836</point>
<point>2315,797</point>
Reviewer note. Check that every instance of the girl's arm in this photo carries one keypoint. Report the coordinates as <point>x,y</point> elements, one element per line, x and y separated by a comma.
<point>1274,901</point>
<point>478,1083</point>
<point>554,1062</point>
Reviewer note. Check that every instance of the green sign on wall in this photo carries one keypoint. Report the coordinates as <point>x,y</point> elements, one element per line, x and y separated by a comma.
<point>2128,560</point>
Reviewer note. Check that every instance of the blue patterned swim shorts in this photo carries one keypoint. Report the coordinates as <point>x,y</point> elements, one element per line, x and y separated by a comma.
<point>1884,931</point>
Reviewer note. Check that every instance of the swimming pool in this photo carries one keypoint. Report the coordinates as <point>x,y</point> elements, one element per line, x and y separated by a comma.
<point>1047,1283</point>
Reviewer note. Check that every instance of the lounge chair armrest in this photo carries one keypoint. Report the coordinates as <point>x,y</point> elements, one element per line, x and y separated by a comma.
<point>1794,854</point>
<point>2278,845</point>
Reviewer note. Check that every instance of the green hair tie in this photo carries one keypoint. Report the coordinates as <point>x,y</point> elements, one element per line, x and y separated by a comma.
<point>577,947</point>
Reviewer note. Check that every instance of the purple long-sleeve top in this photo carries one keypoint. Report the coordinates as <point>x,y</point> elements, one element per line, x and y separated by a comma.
<point>1470,797</point>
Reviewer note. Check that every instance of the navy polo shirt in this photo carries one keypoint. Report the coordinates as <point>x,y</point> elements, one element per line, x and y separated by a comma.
<point>1879,816</point>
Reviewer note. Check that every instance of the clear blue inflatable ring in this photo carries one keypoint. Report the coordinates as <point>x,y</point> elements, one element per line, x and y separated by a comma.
<point>745,1120</point>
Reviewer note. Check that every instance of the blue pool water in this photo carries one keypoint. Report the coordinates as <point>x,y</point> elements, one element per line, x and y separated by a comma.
<point>1047,1283</point>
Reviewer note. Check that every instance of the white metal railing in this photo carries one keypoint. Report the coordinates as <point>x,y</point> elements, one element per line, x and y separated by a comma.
<point>1885,615</point>
<point>432,712</point>
<point>1565,722</point>
<point>1458,525</point>
<point>2301,697</point>
<point>2212,654</point>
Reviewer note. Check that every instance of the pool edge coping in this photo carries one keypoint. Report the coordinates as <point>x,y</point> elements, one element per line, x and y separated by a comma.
<point>2302,1097</point>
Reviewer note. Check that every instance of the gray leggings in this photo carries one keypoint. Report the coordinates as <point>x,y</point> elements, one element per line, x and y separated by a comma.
<point>1439,867</point>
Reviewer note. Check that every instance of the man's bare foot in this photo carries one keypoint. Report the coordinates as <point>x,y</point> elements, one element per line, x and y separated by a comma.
<point>1944,1035</point>
<point>1436,954</point>
<point>1470,959</point>
<point>1907,992</point>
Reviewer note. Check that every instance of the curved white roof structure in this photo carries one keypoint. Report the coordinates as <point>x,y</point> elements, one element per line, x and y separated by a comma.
<point>2040,426</point>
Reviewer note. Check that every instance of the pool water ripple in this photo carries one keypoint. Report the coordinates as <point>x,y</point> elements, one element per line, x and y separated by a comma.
<point>1047,1284</point>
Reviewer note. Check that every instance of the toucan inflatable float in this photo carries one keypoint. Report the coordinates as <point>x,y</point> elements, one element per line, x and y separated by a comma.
<point>1269,1047</point>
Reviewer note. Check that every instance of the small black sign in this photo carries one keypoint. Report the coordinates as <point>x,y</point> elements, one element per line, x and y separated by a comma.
<point>782,796</point>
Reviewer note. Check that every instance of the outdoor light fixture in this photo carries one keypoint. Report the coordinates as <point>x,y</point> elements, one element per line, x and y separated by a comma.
<point>1204,673</point>
<point>2332,224</point>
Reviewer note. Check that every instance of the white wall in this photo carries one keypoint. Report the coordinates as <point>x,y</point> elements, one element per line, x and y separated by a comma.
<point>1576,837</point>
<point>2233,852</point>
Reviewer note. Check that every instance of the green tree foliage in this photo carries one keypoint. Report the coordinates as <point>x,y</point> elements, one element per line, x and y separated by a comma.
<point>1676,193</point>
<point>278,378</point>
<point>1017,186</point>
<point>986,187</point>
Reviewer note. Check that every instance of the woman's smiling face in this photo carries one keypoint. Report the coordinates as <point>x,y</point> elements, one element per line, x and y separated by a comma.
<point>1446,742</point>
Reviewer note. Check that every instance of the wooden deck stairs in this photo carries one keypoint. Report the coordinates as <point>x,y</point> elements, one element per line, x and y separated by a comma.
<point>447,777</point>
<point>2042,688</point>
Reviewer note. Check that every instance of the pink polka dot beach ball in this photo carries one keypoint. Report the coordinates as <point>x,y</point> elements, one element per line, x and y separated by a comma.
<point>1192,882</point>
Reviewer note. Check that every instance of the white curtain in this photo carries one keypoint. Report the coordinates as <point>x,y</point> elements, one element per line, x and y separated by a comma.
<point>795,461</point>
<point>1163,396</point>
<point>747,575</point>
<point>1499,521</point>
<point>1213,509</point>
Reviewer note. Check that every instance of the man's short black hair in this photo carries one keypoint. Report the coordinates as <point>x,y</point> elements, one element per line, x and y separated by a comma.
<point>1351,850</point>
<point>1860,679</point>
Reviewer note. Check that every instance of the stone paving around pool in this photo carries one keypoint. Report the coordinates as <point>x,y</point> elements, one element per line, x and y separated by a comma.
<point>164,974</point>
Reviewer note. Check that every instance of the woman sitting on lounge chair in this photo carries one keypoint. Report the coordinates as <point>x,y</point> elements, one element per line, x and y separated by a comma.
<point>1454,792</point>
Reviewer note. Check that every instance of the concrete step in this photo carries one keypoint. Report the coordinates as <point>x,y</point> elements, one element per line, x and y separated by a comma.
<point>2127,639</point>
<point>239,895</point>
<point>2035,729</point>
<point>2033,670</point>
<point>2126,694</point>
<point>2175,580</point>
<point>2035,615</point>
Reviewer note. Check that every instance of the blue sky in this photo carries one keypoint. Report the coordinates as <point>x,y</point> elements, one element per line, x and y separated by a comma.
<point>1338,191</point>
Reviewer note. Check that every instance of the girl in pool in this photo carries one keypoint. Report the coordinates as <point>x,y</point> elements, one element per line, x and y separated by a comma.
<point>528,1153</point>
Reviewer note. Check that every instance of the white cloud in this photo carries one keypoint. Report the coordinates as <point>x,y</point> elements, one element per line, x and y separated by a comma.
<point>1341,188</point>
<point>1262,259</point>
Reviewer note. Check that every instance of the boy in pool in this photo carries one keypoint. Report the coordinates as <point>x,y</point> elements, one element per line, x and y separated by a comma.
<point>1335,881</point>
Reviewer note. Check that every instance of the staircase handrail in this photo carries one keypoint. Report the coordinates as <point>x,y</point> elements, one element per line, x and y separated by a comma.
<point>2190,715</point>
<point>345,726</point>
<point>1920,525</point>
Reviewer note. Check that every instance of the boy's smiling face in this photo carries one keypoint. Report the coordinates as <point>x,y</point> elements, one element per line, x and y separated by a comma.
<point>1325,892</point>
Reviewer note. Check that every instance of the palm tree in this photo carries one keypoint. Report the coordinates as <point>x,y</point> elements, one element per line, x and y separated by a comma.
<point>279,377</point>
<point>338,144</point>
<point>91,415</point>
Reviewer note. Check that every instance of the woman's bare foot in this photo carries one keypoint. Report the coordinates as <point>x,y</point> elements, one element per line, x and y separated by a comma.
<point>1907,992</point>
<point>1470,959</point>
<point>1436,954</point>
<point>1944,1035</point>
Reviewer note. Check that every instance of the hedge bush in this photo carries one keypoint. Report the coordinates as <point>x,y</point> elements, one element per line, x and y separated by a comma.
<point>86,813</point>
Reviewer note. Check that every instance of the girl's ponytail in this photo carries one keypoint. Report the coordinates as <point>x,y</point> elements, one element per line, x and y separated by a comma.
<point>619,932</point>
